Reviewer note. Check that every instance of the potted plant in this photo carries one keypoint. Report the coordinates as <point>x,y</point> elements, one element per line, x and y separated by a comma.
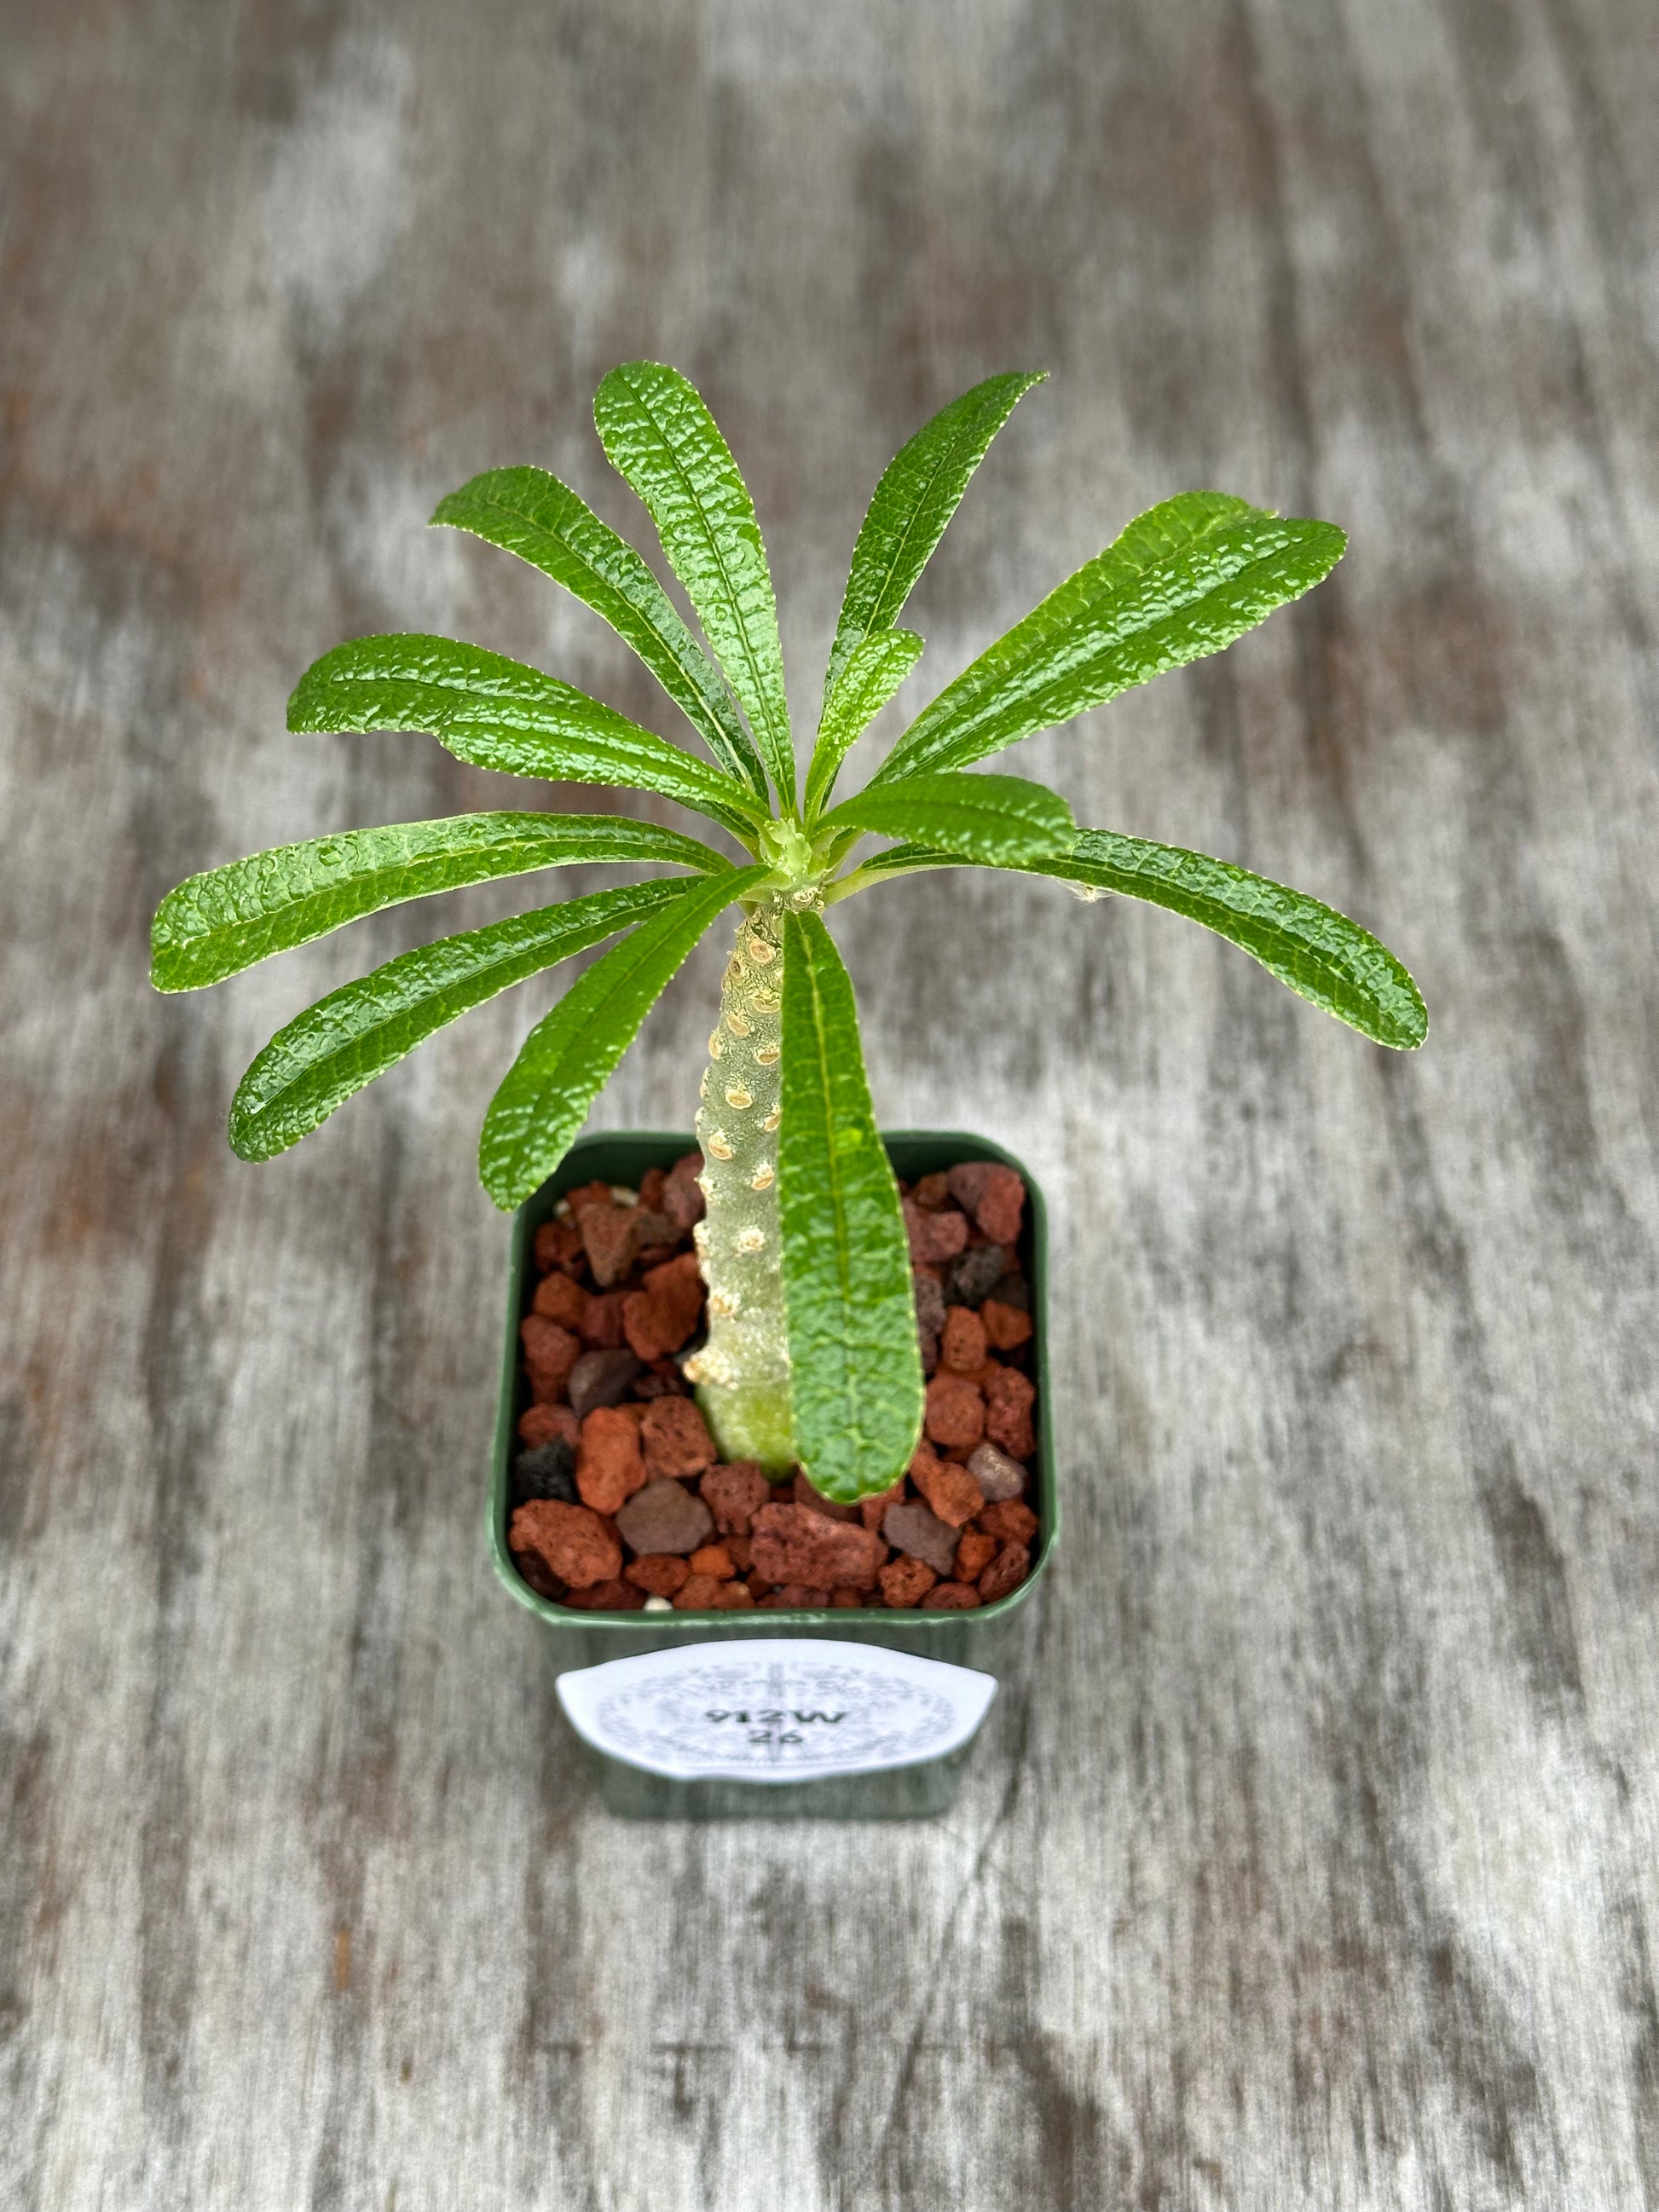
<point>803,1349</point>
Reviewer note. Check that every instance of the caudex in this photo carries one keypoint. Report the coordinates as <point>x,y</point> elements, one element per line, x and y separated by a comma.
<point>811,1354</point>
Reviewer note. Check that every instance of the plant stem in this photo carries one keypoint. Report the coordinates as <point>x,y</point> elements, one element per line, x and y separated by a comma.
<point>742,1373</point>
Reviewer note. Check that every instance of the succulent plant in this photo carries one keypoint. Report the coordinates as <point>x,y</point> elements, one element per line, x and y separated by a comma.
<point>811,1354</point>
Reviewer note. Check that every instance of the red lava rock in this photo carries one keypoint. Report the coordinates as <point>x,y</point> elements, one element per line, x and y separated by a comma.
<point>659,1318</point>
<point>713,1559</point>
<point>793,1544</point>
<point>816,1502</point>
<point>534,1570</point>
<point>574,1542</point>
<point>906,1582</point>
<point>961,1346</point>
<point>559,1244</point>
<point>933,1236</point>
<point>549,1425</point>
<point>955,1411</point>
<point>601,1326</point>
<point>732,1597</point>
<point>993,1195</point>
<point>1008,1397</point>
<point>550,1354</point>
<point>846,1600</point>
<point>917,1529</point>
<point>1011,1521</point>
<point>742,1552</point>
<point>558,1298</point>
<point>657,1255</point>
<point>601,1378</point>
<point>1006,1572</point>
<point>586,1194</point>
<point>664,1516</point>
<point>950,1597</point>
<point>652,1185</point>
<point>734,1493</point>
<point>1006,1327</point>
<point>700,1594</point>
<point>611,1239</point>
<point>675,1439</point>
<point>997,1475</point>
<point>974,1552</point>
<point>792,1597</point>
<point>932,1191</point>
<point>617,1596</point>
<point>609,1467</point>
<point>658,1573</point>
<point>949,1489</point>
<point>682,1198</point>
<point>871,1510</point>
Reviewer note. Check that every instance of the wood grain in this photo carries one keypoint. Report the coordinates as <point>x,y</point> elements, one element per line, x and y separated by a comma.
<point>1311,1864</point>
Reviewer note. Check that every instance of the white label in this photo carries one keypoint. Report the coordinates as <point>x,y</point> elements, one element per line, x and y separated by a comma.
<point>779,1709</point>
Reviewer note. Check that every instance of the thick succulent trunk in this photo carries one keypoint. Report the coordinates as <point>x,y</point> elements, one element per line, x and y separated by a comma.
<point>742,1373</point>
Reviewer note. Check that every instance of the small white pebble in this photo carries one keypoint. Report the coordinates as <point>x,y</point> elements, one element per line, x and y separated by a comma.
<point>656,1605</point>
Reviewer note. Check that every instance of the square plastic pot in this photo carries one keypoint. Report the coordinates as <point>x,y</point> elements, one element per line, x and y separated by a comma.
<point>982,1638</point>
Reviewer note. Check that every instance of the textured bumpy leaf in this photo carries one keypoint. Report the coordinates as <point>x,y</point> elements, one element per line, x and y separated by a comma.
<point>533,514</point>
<point>1323,957</point>
<point>214,925</point>
<point>874,671</point>
<point>1001,820</point>
<point>660,436</point>
<point>568,1057</point>
<point>1184,580</point>
<point>343,1042</point>
<point>498,714</point>
<point>920,490</point>
<point>855,1371</point>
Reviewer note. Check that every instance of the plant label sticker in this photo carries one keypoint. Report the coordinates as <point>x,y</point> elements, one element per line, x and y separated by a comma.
<point>777,1709</point>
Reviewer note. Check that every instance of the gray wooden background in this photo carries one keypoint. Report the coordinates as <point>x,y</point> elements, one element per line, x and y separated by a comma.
<point>1311,1863</point>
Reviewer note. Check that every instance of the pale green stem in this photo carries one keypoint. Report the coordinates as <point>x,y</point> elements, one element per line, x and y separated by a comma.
<point>742,1373</point>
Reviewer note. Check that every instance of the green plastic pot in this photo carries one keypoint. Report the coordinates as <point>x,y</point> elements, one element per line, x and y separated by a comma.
<point>982,1638</point>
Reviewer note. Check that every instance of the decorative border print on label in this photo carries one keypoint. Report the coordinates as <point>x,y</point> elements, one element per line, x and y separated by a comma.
<point>779,1709</point>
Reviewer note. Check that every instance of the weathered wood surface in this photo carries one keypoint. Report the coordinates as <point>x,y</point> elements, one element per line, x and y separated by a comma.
<point>1313,1862</point>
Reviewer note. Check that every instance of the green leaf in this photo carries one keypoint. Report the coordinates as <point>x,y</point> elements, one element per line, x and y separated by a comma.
<point>874,671</point>
<point>498,714</point>
<point>343,1042</point>
<point>569,1056</point>
<point>920,490</point>
<point>662,440</point>
<point>1323,957</point>
<point>217,924</point>
<point>1001,820</point>
<point>533,514</point>
<point>1182,581</point>
<point>856,1370</point>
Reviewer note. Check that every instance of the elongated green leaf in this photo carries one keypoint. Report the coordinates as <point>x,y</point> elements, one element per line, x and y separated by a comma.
<point>498,714</point>
<point>874,671</point>
<point>1001,820</point>
<point>1323,957</point>
<point>855,1372</point>
<point>662,440</point>
<point>343,1042</point>
<point>217,924</point>
<point>1184,580</point>
<point>920,490</point>
<point>568,1057</point>
<point>533,514</point>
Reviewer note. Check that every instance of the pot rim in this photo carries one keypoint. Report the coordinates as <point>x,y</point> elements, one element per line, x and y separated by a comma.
<point>958,1144</point>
